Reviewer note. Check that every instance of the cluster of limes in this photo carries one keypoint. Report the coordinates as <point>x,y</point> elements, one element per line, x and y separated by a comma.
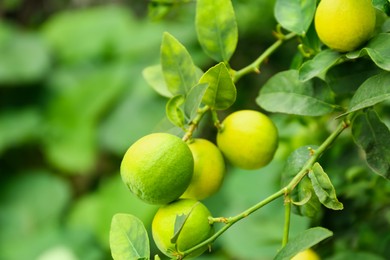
<point>162,169</point>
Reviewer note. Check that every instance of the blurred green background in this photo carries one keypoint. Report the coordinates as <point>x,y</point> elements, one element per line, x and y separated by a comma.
<point>73,99</point>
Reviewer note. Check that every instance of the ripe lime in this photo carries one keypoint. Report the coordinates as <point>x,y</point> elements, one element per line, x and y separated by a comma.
<point>209,170</point>
<point>344,25</point>
<point>158,168</point>
<point>307,254</point>
<point>248,139</point>
<point>196,227</point>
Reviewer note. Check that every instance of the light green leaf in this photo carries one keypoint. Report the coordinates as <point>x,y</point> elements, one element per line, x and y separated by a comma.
<point>285,93</point>
<point>221,92</point>
<point>377,49</point>
<point>174,111</point>
<point>216,28</point>
<point>178,68</point>
<point>194,99</point>
<point>295,15</point>
<point>317,66</point>
<point>323,188</point>
<point>303,241</point>
<point>373,136</point>
<point>155,78</point>
<point>128,238</point>
<point>374,90</point>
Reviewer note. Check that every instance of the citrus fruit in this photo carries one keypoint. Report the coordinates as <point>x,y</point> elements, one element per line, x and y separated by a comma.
<point>248,139</point>
<point>209,169</point>
<point>307,254</point>
<point>344,25</point>
<point>158,168</point>
<point>196,227</point>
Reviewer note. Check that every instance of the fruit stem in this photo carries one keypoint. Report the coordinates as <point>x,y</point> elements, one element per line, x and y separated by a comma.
<point>254,66</point>
<point>194,123</point>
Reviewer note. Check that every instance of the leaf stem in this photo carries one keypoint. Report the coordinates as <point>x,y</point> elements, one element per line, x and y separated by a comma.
<point>254,66</point>
<point>287,218</point>
<point>194,123</point>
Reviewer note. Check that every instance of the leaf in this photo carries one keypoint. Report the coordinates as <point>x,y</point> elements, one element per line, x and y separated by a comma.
<point>128,238</point>
<point>319,64</point>
<point>221,92</point>
<point>295,15</point>
<point>155,78</point>
<point>179,223</point>
<point>323,188</point>
<point>178,68</point>
<point>216,28</point>
<point>383,5</point>
<point>303,241</point>
<point>194,99</point>
<point>377,49</point>
<point>374,90</point>
<point>174,111</point>
<point>285,93</point>
<point>373,136</point>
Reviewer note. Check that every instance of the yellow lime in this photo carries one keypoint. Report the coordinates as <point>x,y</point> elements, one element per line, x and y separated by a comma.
<point>248,139</point>
<point>158,168</point>
<point>196,227</point>
<point>209,170</point>
<point>307,254</point>
<point>344,25</point>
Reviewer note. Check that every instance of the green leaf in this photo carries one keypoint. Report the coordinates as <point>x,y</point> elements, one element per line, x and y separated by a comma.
<point>216,28</point>
<point>373,136</point>
<point>374,90</point>
<point>178,68</point>
<point>128,238</point>
<point>285,93</point>
<point>174,111</point>
<point>304,189</point>
<point>155,78</point>
<point>323,188</point>
<point>319,64</point>
<point>377,49</point>
<point>221,92</point>
<point>295,15</point>
<point>179,223</point>
<point>303,241</point>
<point>194,99</point>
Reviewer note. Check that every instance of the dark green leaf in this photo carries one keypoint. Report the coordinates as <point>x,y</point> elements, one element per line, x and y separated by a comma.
<point>374,90</point>
<point>221,92</point>
<point>216,28</point>
<point>377,49</point>
<point>194,99</point>
<point>174,111</point>
<point>128,238</point>
<point>373,136</point>
<point>155,78</point>
<point>178,68</point>
<point>285,93</point>
<point>383,5</point>
<point>323,188</point>
<point>303,241</point>
<point>318,66</point>
<point>295,15</point>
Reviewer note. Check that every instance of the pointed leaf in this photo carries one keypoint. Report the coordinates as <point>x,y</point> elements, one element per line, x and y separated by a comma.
<point>174,111</point>
<point>285,93</point>
<point>179,223</point>
<point>128,238</point>
<point>373,136</point>
<point>377,49</point>
<point>178,68</point>
<point>295,15</point>
<point>304,240</point>
<point>155,78</point>
<point>194,99</point>
<point>319,64</point>
<point>221,93</point>
<point>374,90</point>
<point>323,188</point>
<point>216,28</point>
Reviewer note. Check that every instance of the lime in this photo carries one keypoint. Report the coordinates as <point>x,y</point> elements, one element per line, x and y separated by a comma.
<point>248,139</point>
<point>209,170</point>
<point>158,168</point>
<point>344,25</point>
<point>187,221</point>
<point>307,254</point>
